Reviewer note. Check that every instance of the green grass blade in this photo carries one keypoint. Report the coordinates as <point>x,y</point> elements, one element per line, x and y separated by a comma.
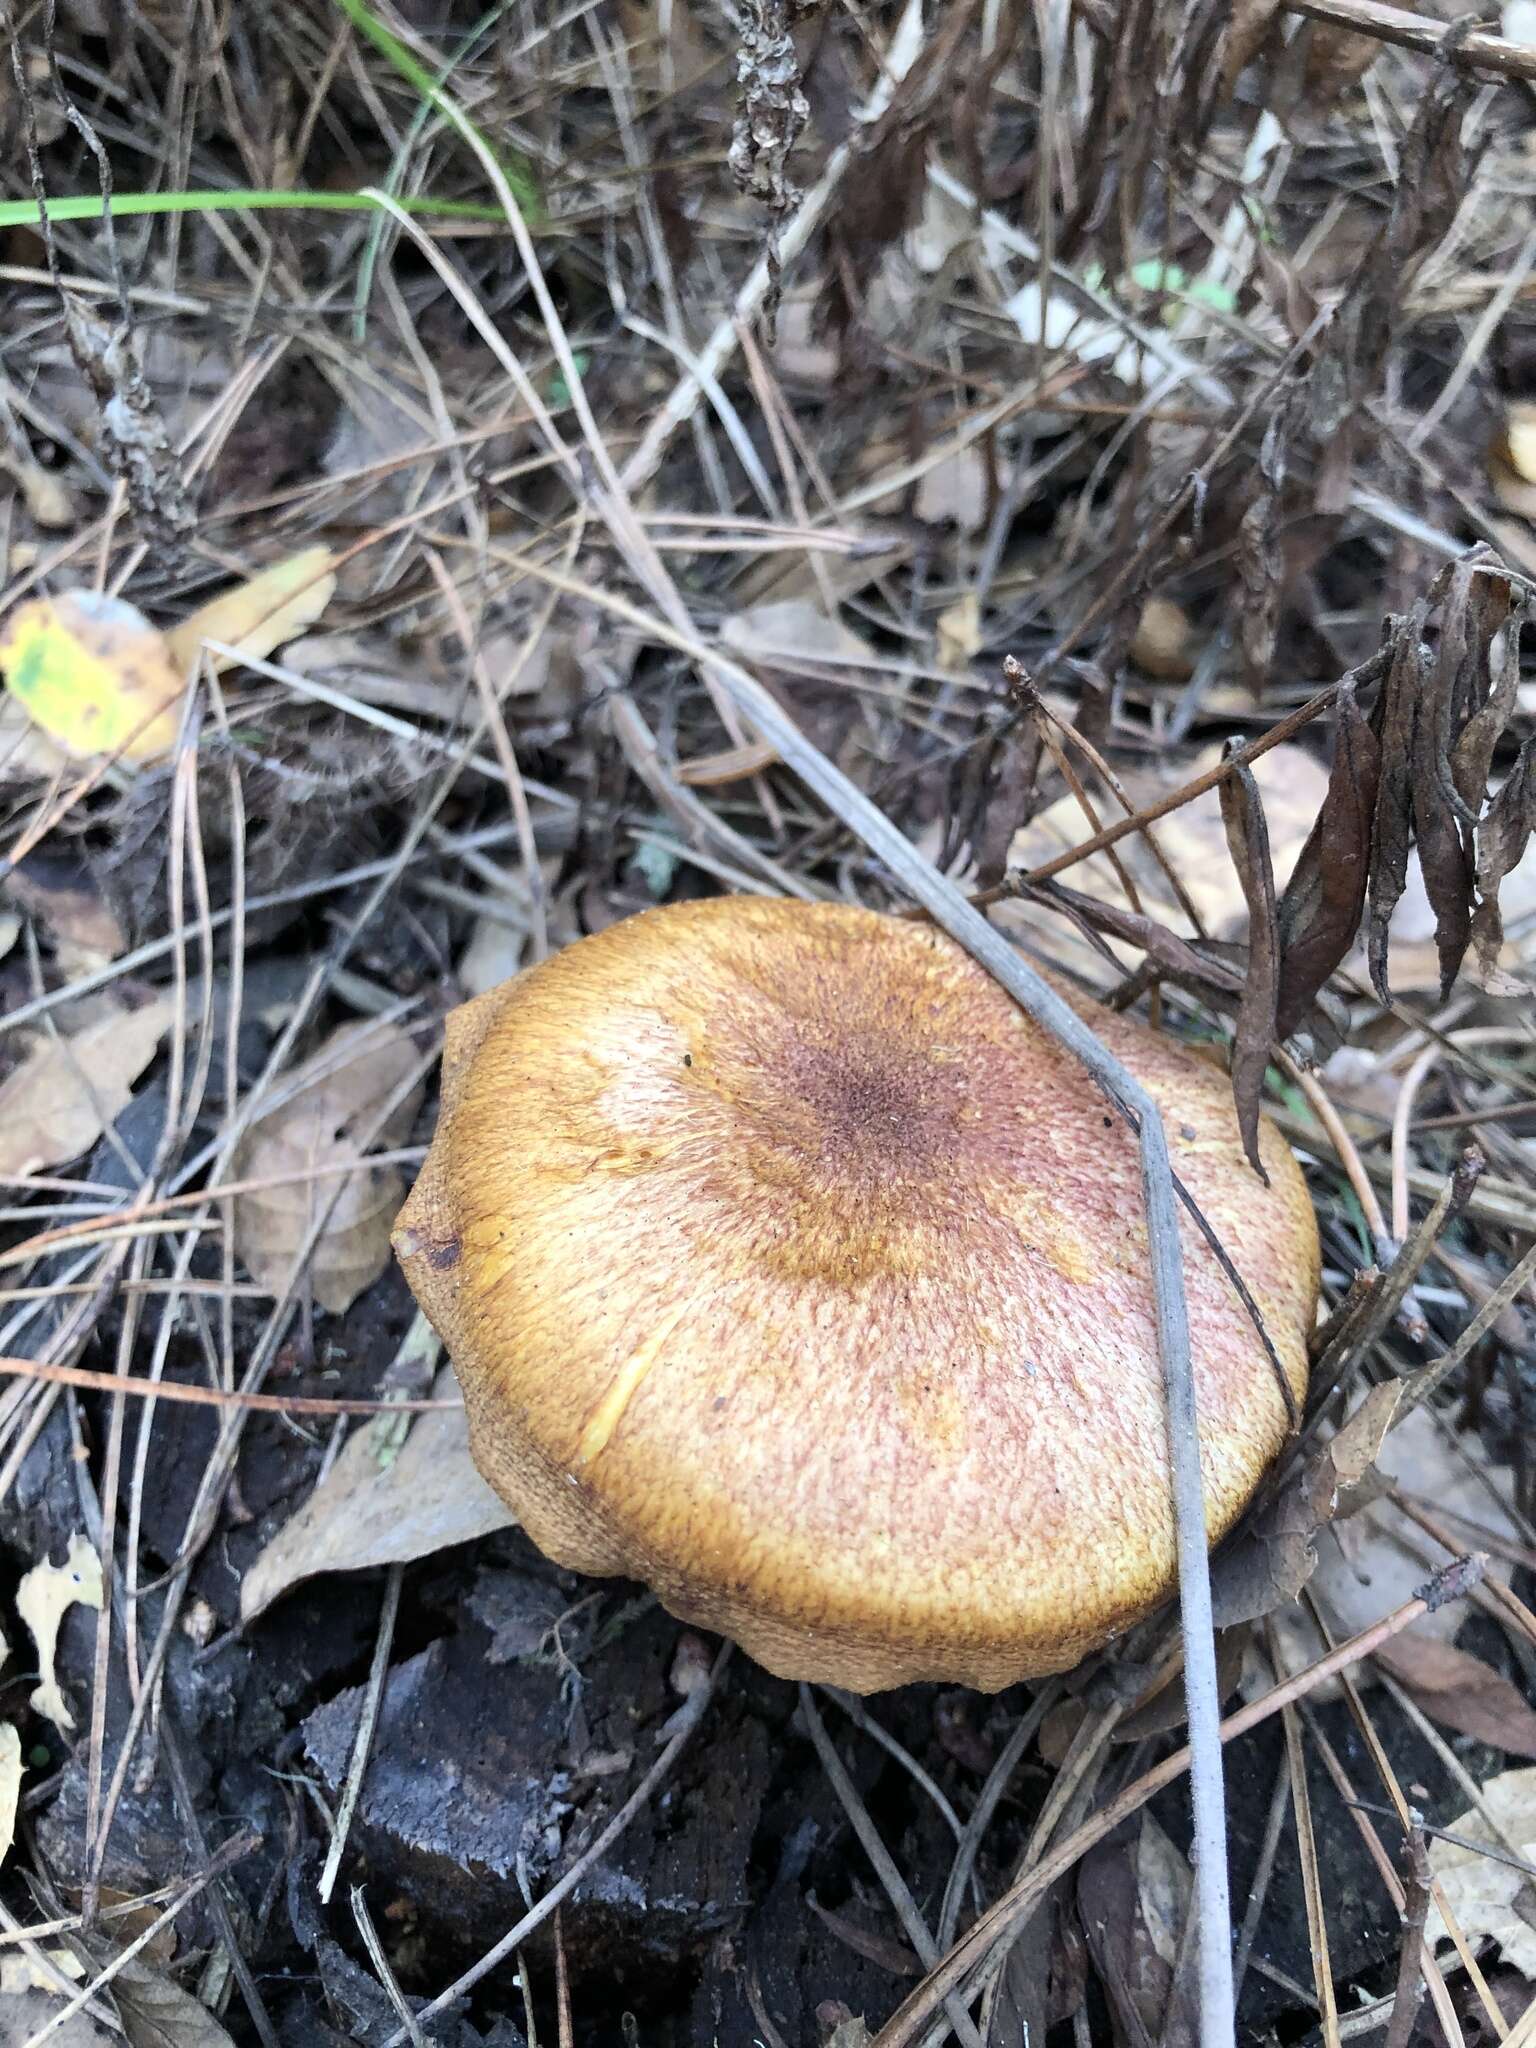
<point>518,176</point>
<point>24,213</point>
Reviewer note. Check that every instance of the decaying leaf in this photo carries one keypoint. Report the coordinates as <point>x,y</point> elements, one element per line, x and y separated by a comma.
<point>158,2014</point>
<point>1248,842</point>
<point>21,1973</point>
<point>1502,838</point>
<point>261,614</point>
<point>41,1600</point>
<point>10,1784</point>
<point>57,1103</point>
<point>1113,1905</point>
<point>62,895</point>
<point>30,2010</point>
<point>1394,720</point>
<point>1371,1559</point>
<point>425,1498</point>
<point>1320,911</point>
<point>1270,1561</point>
<point>1486,1895</point>
<point>329,1100</point>
<point>1163,1885</point>
<point>1247,30</point>
<point>94,674</point>
<point>1461,1691</point>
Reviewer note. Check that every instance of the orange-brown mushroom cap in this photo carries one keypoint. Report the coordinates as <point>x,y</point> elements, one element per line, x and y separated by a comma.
<point>788,1266</point>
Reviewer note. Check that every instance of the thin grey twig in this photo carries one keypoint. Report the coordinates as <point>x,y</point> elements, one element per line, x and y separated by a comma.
<point>367,1722</point>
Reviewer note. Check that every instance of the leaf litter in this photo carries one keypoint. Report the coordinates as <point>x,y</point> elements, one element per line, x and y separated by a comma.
<point>1204,403</point>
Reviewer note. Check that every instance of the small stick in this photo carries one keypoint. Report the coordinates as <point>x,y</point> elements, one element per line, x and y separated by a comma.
<point>1477,51</point>
<point>362,1742</point>
<point>211,1397</point>
<point>1410,1973</point>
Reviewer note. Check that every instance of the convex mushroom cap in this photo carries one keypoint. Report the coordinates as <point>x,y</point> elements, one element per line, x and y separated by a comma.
<point>789,1267</point>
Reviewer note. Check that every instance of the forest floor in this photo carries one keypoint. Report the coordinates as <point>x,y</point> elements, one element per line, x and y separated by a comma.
<point>480,405</point>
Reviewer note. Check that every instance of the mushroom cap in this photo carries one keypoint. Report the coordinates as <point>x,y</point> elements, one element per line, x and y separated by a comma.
<point>787,1266</point>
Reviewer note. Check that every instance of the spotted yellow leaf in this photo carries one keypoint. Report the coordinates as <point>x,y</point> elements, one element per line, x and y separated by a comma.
<point>94,674</point>
<point>260,614</point>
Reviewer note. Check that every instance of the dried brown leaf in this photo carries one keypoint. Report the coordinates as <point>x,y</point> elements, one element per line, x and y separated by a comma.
<point>158,2014</point>
<point>1395,722</point>
<point>1248,27</point>
<point>1337,60</point>
<point>1319,914</point>
<point>313,1132</point>
<point>1271,1559</point>
<point>1134,1976</point>
<point>1461,1692</point>
<point>1502,839</point>
<point>57,1103</point>
<point>1248,842</point>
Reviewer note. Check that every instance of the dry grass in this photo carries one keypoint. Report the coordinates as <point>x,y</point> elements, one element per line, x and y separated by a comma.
<point>682,528</point>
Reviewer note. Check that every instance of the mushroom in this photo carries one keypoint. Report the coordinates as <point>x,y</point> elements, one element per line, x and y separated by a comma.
<point>789,1267</point>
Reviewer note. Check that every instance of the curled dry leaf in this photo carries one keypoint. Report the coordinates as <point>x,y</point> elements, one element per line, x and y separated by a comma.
<point>328,1102</point>
<point>261,614</point>
<point>94,674</point>
<point>41,1600</point>
<point>57,1103</point>
<point>1248,843</point>
<point>1320,911</point>
<point>1486,1896</point>
<point>1502,839</point>
<point>377,1508</point>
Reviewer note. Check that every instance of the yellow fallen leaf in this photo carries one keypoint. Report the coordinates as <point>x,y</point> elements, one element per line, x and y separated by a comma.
<point>20,1973</point>
<point>94,674</point>
<point>276,605</point>
<point>57,1103</point>
<point>41,1600</point>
